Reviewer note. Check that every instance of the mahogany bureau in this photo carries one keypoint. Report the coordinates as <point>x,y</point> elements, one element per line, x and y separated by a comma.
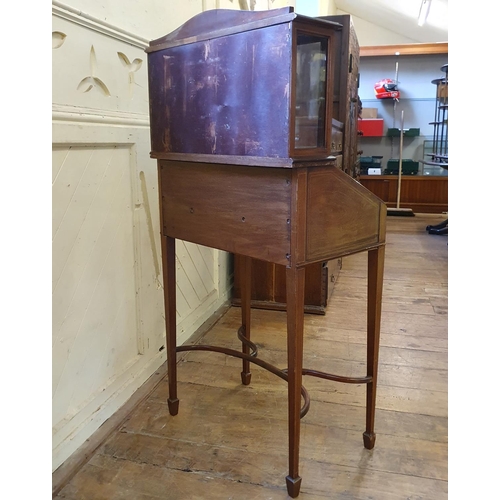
<point>244,115</point>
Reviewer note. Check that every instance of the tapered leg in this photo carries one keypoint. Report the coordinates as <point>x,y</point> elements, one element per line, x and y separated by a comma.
<point>246,291</point>
<point>169,284</point>
<point>295,280</point>
<point>375,284</point>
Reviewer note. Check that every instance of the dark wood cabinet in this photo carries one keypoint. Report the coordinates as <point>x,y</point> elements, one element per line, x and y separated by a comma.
<point>241,104</point>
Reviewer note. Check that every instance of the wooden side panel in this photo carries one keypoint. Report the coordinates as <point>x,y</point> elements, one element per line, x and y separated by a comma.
<point>243,210</point>
<point>342,216</point>
<point>351,130</point>
<point>269,286</point>
<point>262,280</point>
<point>346,89</point>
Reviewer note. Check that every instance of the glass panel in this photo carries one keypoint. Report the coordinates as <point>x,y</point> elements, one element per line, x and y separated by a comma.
<point>310,91</point>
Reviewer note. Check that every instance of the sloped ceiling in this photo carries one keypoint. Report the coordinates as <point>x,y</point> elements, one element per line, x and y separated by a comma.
<point>400,16</point>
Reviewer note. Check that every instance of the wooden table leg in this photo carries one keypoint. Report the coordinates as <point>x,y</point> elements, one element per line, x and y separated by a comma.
<point>169,285</point>
<point>295,281</point>
<point>375,284</point>
<point>246,291</point>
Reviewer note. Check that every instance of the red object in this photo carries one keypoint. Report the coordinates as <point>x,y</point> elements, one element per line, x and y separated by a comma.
<point>371,127</point>
<point>386,89</point>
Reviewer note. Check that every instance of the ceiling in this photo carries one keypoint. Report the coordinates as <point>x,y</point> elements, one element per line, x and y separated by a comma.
<point>401,17</point>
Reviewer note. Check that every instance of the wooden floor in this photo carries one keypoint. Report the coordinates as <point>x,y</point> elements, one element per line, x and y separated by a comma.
<point>230,441</point>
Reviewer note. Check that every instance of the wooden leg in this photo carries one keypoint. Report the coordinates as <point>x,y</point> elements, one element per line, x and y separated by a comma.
<point>246,291</point>
<point>375,284</point>
<point>169,284</point>
<point>295,281</point>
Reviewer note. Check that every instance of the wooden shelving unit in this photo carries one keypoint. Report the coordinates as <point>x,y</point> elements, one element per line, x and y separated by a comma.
<point>406,49</point>
<point>423,194</point>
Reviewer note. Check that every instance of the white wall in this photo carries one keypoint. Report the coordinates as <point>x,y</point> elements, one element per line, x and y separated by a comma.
<point>367,32</point>
<point>371,34</point>
<point>148,19</point>
<point>108,325</point>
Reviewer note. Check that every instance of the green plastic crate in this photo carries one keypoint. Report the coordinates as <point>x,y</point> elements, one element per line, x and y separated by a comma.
<point>409,167</point>
<point>409,132</point>
<point>366,160</point>
<point>371,160</point>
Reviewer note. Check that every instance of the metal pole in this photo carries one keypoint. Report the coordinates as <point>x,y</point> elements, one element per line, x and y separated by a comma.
<point>394,106</point>
<point>400,158</point>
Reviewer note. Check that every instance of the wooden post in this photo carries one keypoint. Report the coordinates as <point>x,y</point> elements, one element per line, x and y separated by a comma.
<point>169,285</point>
<point>295,284</point>
<point>246,290</point>
<point>375,285</point>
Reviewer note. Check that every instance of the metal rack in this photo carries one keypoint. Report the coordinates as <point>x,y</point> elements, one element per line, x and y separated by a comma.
<point>439,155</point>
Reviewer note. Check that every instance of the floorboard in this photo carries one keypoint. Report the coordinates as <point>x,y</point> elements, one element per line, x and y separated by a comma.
<point>230,441</point>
